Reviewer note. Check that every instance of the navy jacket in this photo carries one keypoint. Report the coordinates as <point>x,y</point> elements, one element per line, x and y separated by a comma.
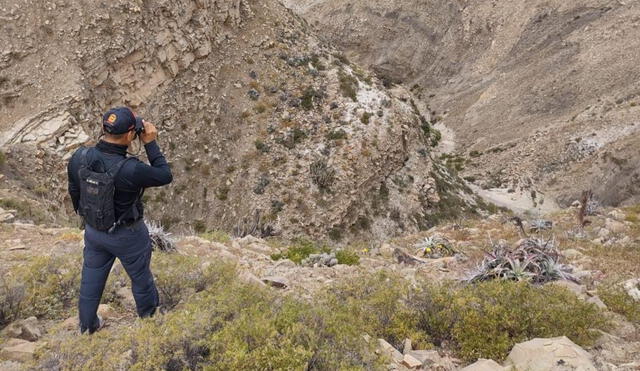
<point>133,177</point>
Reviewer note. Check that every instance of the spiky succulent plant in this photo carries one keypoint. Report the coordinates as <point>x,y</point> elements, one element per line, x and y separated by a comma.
<point>532,259</point>
<point>435,247</point>
<point>161,240</point>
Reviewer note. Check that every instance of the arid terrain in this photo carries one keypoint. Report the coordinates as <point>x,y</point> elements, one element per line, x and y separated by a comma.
<point>541,95</point>
<point>358,185</point>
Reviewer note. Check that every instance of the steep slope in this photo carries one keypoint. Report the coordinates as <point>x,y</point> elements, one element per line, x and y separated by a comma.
<point>267,130</point>
<point>544,94</point>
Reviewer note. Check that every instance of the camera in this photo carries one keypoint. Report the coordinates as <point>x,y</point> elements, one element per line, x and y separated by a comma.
<point>139,127</point>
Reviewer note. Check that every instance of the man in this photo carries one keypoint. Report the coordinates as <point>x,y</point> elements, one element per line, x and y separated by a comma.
<point>128,238</point>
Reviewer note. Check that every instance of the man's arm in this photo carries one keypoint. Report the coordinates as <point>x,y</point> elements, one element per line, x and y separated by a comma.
<point>158,173</point>
<point>74,187</point>
<point>155,175</point>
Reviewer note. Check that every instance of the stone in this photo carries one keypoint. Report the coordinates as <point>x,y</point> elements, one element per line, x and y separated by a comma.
<point>615,226</point>
<point>389,350</point>
<point>276,281</point>
<point>386,250</point>
<point>27,329</point>
<point>30,329</point>
<point>617,215</point>
<point>484,365</point>
<point>126,297</point>
<point>10,366</point>
<point>18,350</point>
<point>573,254</point>
<point>407,346</point>
<point>250,278</point>
<point>632,287</point>
<point>604,233</point>
<point>71,323</point>
<point>597,302</point>
<point>579,290</point>
<point>547,354</point>
<point>106,311</point>
<point>410,362</point>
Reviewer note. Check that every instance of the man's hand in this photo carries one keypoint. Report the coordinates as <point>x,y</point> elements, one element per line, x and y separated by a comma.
<point>150,132</point>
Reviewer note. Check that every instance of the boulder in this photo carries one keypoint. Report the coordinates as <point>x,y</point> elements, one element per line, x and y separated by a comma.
<point>484,365</point>
<point>276,281</point>
<point>106,311</point>
<point>410,362</point>
<point>407,346</point>
<point>126,297</point>
<point>632,287</point>
<point>550,354</point>
<point>18,350</point>
<point>597,302</point>
<point>615,226</point>
<point>30,329</point>
<point>389,350</point>
<point>27,329</point>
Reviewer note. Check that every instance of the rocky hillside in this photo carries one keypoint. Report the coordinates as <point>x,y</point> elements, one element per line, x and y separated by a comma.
<point>406,303</point>
<point>267,130</point>
<point>542,95</point>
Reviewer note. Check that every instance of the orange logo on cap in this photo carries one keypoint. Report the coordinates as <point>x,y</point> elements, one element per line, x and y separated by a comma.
<point>112,118</point>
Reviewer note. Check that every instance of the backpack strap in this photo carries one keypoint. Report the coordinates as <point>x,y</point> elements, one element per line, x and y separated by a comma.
<point>113,172</point>
<point>83,157</point>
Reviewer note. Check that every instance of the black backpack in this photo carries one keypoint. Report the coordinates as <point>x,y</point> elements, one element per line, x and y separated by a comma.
<point>97,195</point>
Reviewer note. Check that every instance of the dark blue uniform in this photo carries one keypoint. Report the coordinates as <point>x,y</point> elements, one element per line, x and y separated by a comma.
<point>129,242</point>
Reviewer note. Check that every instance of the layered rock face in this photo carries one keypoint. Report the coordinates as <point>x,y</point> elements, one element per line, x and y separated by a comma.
<point>267,129</point>
<point>543,94</point>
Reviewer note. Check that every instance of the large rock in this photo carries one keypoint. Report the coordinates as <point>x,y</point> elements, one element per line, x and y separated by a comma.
<point>389,350</point>
<point>28,329</point>
<point>484,365</point>
<point>18,350</point>
<point>615,226</point>
<point>550,354</point>
<point>632,287</point>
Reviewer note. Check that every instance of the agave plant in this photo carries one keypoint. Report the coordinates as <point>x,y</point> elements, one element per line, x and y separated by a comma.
<point>435,247</point>
<point>161,240</point>
<point>532,259</point>
<point>540,225</point>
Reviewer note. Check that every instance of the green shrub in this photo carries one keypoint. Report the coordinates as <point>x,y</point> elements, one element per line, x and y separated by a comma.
<point>25,210</point>
<point>348,85</point>
<point>366,118</point>
<point>231,326</point>
<point>50,284</point>
<point>216,236</point>
<point>308,98</point>
<point>3,159</point>
<point>347,257</point>
<point>180,276</point>
<point>486,320</point>
<point>620,302</point>
<point>336,134</point>
<point>300,250</point>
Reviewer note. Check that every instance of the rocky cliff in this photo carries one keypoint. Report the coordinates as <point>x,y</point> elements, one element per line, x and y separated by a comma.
<point>542,95</point>
<point>267,129</point>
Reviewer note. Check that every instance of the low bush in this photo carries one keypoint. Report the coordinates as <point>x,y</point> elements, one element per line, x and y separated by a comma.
<point>347,257</point>
<point>216,236</point>
<point>618,301</point>
<point>299,250</point>
<point>348,85</point>
<point>180,276</point>
<point>486,320</point>
<point>231,326</point>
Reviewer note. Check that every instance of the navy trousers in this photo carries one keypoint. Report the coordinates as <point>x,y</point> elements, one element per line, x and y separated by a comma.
<point>132,246</point>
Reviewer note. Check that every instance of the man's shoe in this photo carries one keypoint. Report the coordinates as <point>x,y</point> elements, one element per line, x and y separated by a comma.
<point>100,326</point>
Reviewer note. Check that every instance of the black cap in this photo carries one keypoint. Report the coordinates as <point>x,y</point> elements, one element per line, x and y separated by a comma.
<point>118,120</point>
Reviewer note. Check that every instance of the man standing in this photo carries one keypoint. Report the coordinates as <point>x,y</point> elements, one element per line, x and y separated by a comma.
<point>106,189</point>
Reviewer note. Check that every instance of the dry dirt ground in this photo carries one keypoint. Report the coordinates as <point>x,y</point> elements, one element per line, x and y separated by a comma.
<point>602,254</point>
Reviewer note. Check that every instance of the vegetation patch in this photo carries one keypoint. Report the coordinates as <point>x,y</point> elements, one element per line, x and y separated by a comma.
<point>348,85</point>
